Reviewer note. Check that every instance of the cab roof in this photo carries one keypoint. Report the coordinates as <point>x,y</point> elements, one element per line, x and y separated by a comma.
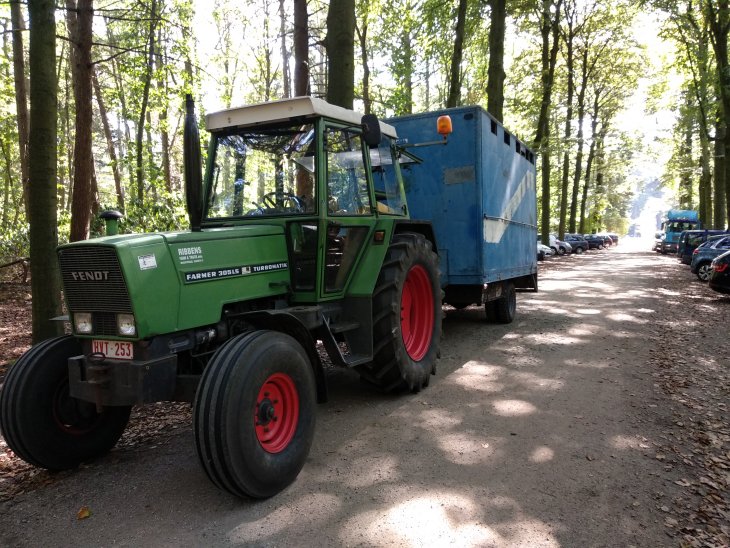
<point>284,109</point>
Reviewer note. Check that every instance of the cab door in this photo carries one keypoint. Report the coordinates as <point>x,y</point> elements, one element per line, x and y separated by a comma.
<point>348,203</point>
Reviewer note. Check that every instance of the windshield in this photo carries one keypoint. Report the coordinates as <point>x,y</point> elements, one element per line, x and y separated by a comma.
<point>679,226</point>
<point>263,172</point>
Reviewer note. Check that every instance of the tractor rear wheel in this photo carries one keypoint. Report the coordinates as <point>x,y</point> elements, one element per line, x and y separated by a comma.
<point>406,316</point>
<point>254,414</point>
<point>42,423</point>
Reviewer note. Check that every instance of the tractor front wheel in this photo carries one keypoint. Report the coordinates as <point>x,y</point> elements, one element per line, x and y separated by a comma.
<point>42,423</point>
<point>254,414</point>
<point>406,316</point>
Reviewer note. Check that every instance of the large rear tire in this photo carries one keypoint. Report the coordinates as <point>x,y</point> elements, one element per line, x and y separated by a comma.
<point>406,316</point>
<point>42,423</point>
<point>254,414</point>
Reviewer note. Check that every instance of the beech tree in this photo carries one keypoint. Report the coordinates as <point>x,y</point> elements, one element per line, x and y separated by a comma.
<point>45,277</point>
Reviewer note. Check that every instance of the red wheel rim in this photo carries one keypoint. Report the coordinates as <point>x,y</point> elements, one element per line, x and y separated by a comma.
<point>277,413</point>
<point>416,312</point>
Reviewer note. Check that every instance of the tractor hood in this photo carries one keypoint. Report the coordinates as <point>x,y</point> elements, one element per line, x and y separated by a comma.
<point>172,281</point>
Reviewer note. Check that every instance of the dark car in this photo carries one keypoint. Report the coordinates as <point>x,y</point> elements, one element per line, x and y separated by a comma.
<point>689,240</point>
<point>595,241</point>
<point>577,242</point>
<point>720,275</point>
<point>703,255</point>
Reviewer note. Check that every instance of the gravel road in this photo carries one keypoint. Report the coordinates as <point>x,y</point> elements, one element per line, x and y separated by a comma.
<point>557,430</point>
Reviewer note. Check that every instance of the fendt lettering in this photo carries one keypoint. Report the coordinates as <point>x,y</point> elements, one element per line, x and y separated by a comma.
<point>322,233</point>
<point>91,276</point>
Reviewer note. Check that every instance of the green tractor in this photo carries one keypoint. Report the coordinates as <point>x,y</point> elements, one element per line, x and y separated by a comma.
<point>300,233</point>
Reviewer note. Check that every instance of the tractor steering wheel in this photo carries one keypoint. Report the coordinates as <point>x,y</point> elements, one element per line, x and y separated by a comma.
<point>289,202</point>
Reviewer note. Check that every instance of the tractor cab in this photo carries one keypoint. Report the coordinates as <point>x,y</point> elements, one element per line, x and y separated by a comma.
<point>324,174</point>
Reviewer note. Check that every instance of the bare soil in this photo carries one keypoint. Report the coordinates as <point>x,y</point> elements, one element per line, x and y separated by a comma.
<point>598,418</point>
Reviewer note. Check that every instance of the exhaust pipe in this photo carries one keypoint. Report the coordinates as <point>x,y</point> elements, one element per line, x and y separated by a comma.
<point>192,163</point>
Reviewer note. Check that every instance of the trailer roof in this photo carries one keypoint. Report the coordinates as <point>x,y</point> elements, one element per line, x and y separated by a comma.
<point>251,115</point>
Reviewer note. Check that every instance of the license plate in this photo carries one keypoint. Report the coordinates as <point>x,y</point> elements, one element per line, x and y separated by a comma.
<point>117,350</point>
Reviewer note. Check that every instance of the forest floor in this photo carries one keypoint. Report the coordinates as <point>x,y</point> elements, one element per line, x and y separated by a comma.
<point>598,418</point>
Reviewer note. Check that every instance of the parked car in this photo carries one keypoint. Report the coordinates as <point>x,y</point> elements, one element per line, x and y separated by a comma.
<point>595,241</point>
<point>607,240</point>
<point>703,255</point>
<point>543,251</point>
<point>577,242</point>
<point>564,248</point>
<point>658,237</point>
<point>559,247</point>
<point>613,237</point>
<point>720,275</point>
<point>689,240</point>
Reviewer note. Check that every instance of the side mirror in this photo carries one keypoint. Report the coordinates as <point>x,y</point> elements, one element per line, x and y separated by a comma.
<point>371,130</point>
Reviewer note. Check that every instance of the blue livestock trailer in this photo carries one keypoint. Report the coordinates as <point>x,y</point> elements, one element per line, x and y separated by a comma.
<point>479,193</point>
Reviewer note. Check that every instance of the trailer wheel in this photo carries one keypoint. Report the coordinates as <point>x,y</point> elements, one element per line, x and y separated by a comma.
<point>504,309</point>
<point>406,316</point>
<point>42,423</point>
<point>254,414</point>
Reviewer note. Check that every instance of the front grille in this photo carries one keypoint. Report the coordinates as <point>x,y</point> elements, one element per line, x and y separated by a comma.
<point>105,323</point>
<point>93,282</point>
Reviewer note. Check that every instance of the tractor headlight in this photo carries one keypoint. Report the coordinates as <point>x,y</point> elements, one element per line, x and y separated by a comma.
<point>83,323</point>
<point>125,325</point>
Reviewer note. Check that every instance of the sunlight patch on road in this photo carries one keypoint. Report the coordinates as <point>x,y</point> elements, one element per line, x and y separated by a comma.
<point>628,442</point>
<point>513,408</point>
<point>478,376</point>
<point>622,317</point>
<point>542,454</point>
<point>442,518</point>
<point>588,311</point>
<point>536,382</point>
<point>467,447</point>
<point>317,507</point>
<point>584,330</point>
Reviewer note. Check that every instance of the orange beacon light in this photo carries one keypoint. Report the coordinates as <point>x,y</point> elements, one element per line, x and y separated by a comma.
<point>443,126</point>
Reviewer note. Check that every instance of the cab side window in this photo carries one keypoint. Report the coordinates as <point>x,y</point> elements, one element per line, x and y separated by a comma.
<point>347,184</point>
<point>387,192</point>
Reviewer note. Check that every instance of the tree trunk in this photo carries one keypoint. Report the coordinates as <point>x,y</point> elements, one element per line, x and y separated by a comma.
<point>589,164</point>
<point>569,61</point>
<point>45,276</point>
<point>362,35</point>
<point>340,44</point>
<point>301,48</point>
<point>284,51</point>
<point>80,17</point>
<point>145,99</point>
<point>454,97</point>
<point>495,71</point>
<point>164,122</point>
<point>8,183</point>
<point>109,142</point>
<point>718,198</point>
<point>549,27</point>
<point>717,15</point>
<point>579,155</point>
<point>124,144</point>
<point>21,95</point>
